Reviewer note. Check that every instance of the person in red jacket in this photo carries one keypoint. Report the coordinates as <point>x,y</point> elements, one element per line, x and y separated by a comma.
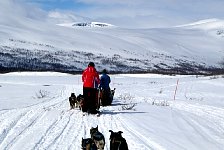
<point>91,80</point>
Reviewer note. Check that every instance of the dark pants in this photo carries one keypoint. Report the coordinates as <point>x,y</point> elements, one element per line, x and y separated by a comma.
<point>90,99</point>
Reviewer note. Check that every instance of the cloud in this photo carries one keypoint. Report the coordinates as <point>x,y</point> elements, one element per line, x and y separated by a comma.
<point>60,16</point>
<point>153,13</point>
<point>20,9</point>
<point>124,13</point>
<point>10,7</point>
<point>113,2</point>
<point>17,14</point>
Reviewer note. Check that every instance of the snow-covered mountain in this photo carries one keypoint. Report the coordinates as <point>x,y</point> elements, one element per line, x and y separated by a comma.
<point>86,24</point>
<point>31,44</point>
<point>213,26</point>
<point>205,24</point>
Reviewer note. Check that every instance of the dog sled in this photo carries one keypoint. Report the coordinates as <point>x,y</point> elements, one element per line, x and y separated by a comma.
<point>106,96</point>
<point>91,100</point>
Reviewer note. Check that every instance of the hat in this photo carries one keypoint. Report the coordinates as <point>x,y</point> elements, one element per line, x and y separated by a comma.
<point>91,64</point>
<point>104,71</point>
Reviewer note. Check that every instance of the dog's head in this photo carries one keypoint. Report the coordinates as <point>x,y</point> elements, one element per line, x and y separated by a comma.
<point>80,98</point>
<point>113,91</point>
<point>117,141</point>
<point>94,130</point>
<point>73,95</point>
<point>115,135</point>
<point>88,144</point>
<point>95,134</point>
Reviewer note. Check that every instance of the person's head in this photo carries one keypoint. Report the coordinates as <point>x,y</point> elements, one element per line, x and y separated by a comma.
<point>104,71</point>
<point>91,64</point>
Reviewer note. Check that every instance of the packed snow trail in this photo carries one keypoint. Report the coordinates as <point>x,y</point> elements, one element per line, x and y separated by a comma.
<point>51,125</point>
<point>192,121</point>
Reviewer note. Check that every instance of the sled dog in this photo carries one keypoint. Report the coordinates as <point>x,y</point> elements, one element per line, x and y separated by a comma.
<point>98,138</point>
<point>76,102</point>
<point>112,92</point>
<point>80,101</point>
<point>117,142</point>
<point>106,96</point>
<point>72,101</point>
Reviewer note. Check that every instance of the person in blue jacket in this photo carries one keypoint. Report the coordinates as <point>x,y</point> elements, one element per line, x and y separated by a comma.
<point>105,80</point>
<point>106,98</point>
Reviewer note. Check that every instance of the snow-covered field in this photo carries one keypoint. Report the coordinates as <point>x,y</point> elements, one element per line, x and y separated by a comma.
<point>35,115</point>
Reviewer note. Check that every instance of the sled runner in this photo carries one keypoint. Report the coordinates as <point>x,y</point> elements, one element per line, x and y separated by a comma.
<point>87,114</point>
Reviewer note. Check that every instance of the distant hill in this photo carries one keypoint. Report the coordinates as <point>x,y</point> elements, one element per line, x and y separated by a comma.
<point>31,44</point>
<point>86,24</point>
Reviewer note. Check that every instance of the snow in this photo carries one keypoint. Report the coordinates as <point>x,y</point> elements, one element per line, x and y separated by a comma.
<point>168,46</point>
<point>194,120</point>
<point>86,24</point>
<point>206,24</point>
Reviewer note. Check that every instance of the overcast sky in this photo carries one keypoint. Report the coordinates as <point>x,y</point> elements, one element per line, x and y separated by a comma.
<point>134,13</point>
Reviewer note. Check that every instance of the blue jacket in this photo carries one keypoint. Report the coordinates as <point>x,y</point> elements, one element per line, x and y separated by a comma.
<point>104,81</point>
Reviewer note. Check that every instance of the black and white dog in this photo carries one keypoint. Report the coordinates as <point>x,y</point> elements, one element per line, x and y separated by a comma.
<point>112,92</point>
<point>98,138</point>
<point>117,142</point>
<point>88,144</point>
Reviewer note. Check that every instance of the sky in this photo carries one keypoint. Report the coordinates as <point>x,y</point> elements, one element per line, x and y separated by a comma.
<point>135,13</point>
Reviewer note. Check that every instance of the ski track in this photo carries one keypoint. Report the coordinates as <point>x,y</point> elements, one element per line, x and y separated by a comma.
<point>57,132</point>
<point>7,125</point>
<point>22,125</point>
<point>16,123</point>
<point>137,140</point>
<point>67,130</point>
<point>73,124</point>
<point>212,116</point>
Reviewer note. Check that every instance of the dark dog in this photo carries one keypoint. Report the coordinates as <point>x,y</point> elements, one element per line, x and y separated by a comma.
<point>106,96</point>
<point>117,142</point>
<point>72,101</point>
<point>88,144</point>
<point>80,101</point>
<point>76,102</point>
<point>98,138</point>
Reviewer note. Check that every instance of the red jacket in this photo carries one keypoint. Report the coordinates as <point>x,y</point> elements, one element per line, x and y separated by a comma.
<point>90,77</point>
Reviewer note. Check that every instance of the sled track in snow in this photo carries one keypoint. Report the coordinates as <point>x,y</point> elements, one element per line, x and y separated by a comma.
<point>212,118</point>
<point>22,132</point>
<point>55,133</point>
<point>57,127</point>
<point>65,131</point>
<point>210,113</point>
<point>8,125</point>
<point>110,121</point>
<point>145,142</point>
<point>17,123</point>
